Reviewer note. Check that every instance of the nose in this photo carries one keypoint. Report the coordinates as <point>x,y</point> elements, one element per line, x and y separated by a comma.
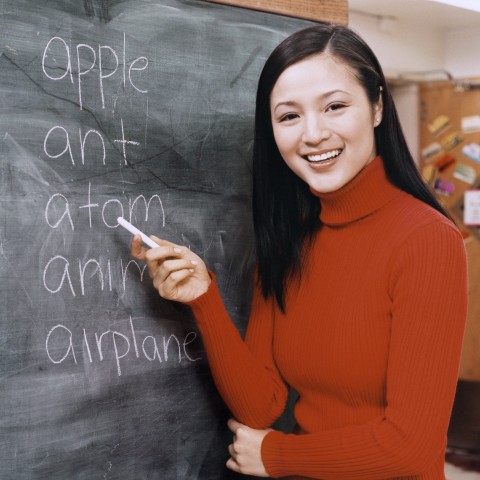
<point>315,129</point>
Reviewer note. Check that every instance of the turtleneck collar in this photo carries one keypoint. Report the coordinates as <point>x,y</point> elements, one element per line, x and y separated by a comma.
<point>360,197</point>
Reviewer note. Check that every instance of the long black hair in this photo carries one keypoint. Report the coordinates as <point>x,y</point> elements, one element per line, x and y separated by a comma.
<point>285,212</point>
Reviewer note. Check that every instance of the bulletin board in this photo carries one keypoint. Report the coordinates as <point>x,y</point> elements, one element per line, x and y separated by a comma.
<point>450,162</point>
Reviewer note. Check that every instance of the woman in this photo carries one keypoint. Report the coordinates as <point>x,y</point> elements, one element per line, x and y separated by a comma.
<point>360,295</point>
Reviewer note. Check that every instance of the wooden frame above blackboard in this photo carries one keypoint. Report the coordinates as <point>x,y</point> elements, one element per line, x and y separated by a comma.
<point>335,11</point>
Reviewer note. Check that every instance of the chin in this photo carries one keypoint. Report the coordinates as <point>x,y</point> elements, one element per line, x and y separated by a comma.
<point>322,188</point>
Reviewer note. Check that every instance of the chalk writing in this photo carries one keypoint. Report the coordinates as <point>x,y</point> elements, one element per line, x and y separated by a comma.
<point>58,134</point>
<point>58,272</point>
<point>83,66</point>
<point>57,55</point>
<point>62,344</point>
<point>59,209</point>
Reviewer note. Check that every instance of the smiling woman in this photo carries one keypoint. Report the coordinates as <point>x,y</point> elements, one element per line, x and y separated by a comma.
<point>354,256</point>
<point>319,114</point>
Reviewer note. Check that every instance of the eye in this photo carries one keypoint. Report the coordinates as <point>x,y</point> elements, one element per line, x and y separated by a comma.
<point>335,106</point>
<point>288,116</point>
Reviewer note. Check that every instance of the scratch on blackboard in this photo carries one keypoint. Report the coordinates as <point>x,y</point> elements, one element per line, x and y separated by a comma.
<point>24,163</point>
<point>2,253</point>
<point>245,66</point>
<point>146,122</point>
<point>110,464</point>
<point>102,9</point>
<point>105,475</point>
<point>94,118</point>
<point>11,49</point>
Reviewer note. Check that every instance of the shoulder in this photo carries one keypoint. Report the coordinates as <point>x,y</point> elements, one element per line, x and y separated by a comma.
<point>424,242</point>
<point>421,238</point>
<point>415,220</point>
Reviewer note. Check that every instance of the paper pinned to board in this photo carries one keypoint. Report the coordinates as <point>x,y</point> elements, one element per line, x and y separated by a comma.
<point>471,208</point>
<point>431,150</point>
<point>438,125</point>
<point>444,187</point>
<point>472,151</point>
<point>471,124</point>
<point>466,173</point>
<point>451,141</point>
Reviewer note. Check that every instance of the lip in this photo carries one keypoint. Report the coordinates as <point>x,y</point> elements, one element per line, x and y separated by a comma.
<point>317,155</point>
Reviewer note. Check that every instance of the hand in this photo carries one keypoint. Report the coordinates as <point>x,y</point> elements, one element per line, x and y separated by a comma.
<point>177,273</point>
<point>245,450</point>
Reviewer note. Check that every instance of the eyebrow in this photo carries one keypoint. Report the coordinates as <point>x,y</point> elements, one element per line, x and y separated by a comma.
<point>290,103</point>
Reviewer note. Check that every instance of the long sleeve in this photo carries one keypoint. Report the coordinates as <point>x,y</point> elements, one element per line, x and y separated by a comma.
<point>245,373</point>
<point>428,290</point>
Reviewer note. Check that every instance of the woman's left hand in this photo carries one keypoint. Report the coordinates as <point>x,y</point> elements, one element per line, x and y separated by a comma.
<point>245,451</point>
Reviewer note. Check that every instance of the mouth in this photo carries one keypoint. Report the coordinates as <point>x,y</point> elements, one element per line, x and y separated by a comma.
<point>322,157</point>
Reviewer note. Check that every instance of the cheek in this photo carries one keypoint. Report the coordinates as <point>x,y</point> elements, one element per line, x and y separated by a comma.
<point>285,140</point>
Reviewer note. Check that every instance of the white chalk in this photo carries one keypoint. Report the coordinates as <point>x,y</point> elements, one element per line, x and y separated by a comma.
<point>148,241</point>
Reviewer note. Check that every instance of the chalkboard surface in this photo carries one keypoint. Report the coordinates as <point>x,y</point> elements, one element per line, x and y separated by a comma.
<point>143,109</point>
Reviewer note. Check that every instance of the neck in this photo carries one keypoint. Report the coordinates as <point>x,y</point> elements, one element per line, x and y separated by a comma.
<point>367,192</point>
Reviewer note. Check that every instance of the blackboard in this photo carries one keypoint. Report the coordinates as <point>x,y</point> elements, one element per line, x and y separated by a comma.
<point>138,108</point>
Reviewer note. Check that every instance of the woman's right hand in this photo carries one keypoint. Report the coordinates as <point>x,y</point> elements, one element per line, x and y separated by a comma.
<point>178,274</point>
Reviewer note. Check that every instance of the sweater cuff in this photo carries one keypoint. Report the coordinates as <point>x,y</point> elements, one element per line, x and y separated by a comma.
<point>203,306</point>
<point>272,453</point>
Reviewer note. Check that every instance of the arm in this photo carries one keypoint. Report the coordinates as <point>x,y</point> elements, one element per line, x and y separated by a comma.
<point>244,372</point>
<point>429,297</point>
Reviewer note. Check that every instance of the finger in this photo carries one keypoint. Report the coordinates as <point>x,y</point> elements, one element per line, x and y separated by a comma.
<point>163,252</point>
<point>162,242</point>
<point>233,465</point>
<point>231,451</point>
<point>136,249</point>
<point>233,425</point>
<point>169,266</point>
<point>168,287</point>
<point>167,279</point>
<point>174,250</point>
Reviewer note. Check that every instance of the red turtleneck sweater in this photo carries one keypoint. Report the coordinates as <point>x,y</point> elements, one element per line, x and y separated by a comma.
<point>371,342</point>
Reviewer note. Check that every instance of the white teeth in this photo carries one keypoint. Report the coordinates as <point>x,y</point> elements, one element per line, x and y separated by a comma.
<point>323,156</point>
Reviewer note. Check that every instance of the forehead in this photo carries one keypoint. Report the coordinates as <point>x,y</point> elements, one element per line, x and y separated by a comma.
<point>320,73</point>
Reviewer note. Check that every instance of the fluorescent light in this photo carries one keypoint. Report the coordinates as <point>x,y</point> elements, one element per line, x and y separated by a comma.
<point>473,5</point>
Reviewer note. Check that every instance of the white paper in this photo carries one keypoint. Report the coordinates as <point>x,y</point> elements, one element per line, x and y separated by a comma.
<point>471,208</point>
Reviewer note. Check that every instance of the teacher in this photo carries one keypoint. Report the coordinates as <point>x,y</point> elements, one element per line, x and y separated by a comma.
<point>360,291</point>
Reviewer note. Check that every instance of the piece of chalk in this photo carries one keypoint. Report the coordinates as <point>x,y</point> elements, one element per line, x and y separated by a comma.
<point>148,241</point>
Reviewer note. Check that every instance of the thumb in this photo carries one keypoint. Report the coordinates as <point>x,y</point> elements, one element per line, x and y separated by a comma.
<point>233,425</point>
<point>136,249</point>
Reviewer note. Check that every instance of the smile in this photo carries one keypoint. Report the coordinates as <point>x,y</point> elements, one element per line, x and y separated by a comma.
<point>323,156</point>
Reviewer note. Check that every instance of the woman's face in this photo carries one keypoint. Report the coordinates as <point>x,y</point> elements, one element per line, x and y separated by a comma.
<point>323,122</point>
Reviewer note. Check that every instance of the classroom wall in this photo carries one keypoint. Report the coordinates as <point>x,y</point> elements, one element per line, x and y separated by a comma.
<point>409,47</point>
<point>406,101</point>
<point>462,56</point>
<point>404,48</point>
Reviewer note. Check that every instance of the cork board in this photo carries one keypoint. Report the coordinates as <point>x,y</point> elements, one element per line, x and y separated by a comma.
<point>443,107</point>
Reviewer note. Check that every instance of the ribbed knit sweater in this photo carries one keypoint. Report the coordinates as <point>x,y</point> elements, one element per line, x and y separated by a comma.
<point>370,340</point>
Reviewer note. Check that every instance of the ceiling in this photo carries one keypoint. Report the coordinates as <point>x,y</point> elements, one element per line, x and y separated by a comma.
<point>426,12</point>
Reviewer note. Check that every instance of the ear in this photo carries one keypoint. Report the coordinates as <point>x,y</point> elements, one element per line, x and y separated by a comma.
<point>378,110</point>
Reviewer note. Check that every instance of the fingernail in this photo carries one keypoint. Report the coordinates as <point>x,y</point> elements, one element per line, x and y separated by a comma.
<point>177,250</point>
<point>193,262</point>
<point>191,270</point>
